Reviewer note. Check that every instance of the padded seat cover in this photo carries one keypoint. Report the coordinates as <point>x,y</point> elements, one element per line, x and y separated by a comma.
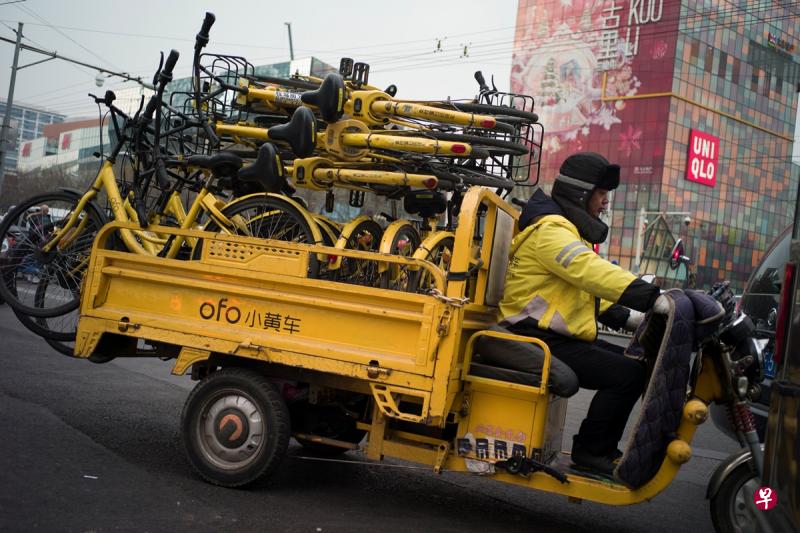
<point>520,362</point>
<point>504,374</point>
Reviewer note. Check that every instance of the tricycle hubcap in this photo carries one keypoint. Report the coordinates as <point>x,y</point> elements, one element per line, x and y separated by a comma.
<point>231,430</point>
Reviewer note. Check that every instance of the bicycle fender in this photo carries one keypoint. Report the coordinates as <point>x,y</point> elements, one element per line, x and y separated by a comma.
<point>71,190</point>
<point>316,232</point>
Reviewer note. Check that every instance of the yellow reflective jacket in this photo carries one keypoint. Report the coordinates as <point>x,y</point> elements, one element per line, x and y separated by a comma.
<point>555,278</point>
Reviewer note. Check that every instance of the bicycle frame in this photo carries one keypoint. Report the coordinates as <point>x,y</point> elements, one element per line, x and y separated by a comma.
<point>142,241</point>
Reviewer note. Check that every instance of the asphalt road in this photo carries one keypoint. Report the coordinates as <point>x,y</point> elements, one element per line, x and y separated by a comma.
<point>96,448</point>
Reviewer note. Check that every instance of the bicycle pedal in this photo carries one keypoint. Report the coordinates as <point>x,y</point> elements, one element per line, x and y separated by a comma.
<point>360,74</point>
<point>356,199</point>
<point>329,202</point>
<point>346,66</point>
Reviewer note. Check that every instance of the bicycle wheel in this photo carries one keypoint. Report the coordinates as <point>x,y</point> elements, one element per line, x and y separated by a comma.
<point>268,217</point>
<point>330,231</point>
<point>61,328</point>
<point>454,176</point>
<point>403,241</point>
<point>365,236</point>
<point>64,348</point>
<point>497,147</point>
<point>439,251</point>
<point>495,110</point>
<point>28,228</point>
<point>288,82</point>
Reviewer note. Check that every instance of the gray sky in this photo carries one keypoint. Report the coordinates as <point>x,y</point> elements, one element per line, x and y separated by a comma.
<point>397,39</point>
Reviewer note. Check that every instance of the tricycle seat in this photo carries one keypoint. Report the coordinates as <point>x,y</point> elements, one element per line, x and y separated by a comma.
<point>520,362</point>
<point>503,374</point>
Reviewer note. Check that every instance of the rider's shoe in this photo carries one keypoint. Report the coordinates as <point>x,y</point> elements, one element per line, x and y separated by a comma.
<point>600,464</point>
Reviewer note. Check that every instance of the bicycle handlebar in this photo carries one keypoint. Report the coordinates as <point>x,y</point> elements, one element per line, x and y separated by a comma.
<point>481,81</point>
<point>161,173</point>
<point>202,36</point>
<point>213,139</point>
<point>166,73</point>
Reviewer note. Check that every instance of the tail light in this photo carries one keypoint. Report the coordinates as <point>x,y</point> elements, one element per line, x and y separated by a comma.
<point>784,311</point>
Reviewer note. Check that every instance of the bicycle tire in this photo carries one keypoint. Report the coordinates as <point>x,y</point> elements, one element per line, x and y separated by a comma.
<point>361,271</point>
<point>404,243</point>
<point>283,221</point>
<point>330,233</point>
<point>66,266</point>
<point>61,328</point>
<point>468,177</point>
<point>288,82</point>
<point>495,110</point>
<point>496,146</point>
<point>440,254</point>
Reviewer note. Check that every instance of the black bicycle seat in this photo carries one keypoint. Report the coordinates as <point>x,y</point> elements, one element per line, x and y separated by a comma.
<point>300,132</point>
<point>266,170</point>
<point>424,203</point>
<point>329,98</point>
<point>220,164</point>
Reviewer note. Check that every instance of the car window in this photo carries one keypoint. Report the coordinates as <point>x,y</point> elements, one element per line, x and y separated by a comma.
<point>762,295</point>
<point>768,276</point>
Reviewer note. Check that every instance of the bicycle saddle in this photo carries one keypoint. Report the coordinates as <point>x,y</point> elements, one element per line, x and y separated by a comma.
<point>220,164</point>
<point>300,132</point>
<point>266,170</point>
<point>329,98</point>
<point>424,203</point>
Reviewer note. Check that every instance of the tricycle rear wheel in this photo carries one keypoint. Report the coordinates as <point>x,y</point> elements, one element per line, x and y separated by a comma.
<point>235,427</point>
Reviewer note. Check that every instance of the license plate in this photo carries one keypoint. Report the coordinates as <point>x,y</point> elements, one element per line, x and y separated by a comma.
<point>769,364</point>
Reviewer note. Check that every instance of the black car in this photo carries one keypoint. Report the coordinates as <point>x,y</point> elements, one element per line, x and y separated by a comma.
<point>760,302</point>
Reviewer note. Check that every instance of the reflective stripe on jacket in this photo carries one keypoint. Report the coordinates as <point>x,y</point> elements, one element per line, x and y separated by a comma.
<point>555,278</point>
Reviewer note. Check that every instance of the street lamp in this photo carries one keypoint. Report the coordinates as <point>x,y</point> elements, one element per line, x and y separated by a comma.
<point>642,222</point>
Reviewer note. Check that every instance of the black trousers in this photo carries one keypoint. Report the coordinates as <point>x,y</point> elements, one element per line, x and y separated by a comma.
<point>600,366</point>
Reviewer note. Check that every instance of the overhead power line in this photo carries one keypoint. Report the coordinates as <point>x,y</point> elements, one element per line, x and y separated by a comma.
<point>54,55</point>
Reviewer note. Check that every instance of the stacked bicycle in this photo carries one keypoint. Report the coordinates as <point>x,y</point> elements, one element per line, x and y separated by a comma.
<point>229,155</point>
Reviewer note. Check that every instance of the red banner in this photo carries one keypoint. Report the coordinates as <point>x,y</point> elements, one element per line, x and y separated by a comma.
<point>599,71</point>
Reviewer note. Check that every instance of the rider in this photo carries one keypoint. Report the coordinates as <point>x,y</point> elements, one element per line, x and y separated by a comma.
<point>557,289</point>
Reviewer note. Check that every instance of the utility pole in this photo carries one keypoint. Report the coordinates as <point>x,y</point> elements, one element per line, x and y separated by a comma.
<point>291,48</point>
<point>9,102</point>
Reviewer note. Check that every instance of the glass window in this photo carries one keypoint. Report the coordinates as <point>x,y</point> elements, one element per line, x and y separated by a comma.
<point>709,62</point>
<point>694,54</point>
<point>723,64</point>
<point>754,80</point>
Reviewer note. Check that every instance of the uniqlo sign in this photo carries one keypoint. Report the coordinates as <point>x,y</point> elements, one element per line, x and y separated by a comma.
<point>701,165</point>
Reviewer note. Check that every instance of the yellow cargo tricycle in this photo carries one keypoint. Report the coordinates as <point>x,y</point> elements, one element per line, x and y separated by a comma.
<point>280,351</point>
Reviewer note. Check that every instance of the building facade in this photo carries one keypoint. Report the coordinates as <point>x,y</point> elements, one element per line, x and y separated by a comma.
<point>70,146</point>
<point>696,100</point>
<point>27,123</point>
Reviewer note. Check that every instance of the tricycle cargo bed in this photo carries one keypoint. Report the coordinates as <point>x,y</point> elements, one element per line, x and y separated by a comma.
<point>228,309</point>
<point>269,301</point>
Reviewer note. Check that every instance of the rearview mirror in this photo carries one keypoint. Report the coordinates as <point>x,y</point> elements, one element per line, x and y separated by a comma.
<point>676,257</point>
